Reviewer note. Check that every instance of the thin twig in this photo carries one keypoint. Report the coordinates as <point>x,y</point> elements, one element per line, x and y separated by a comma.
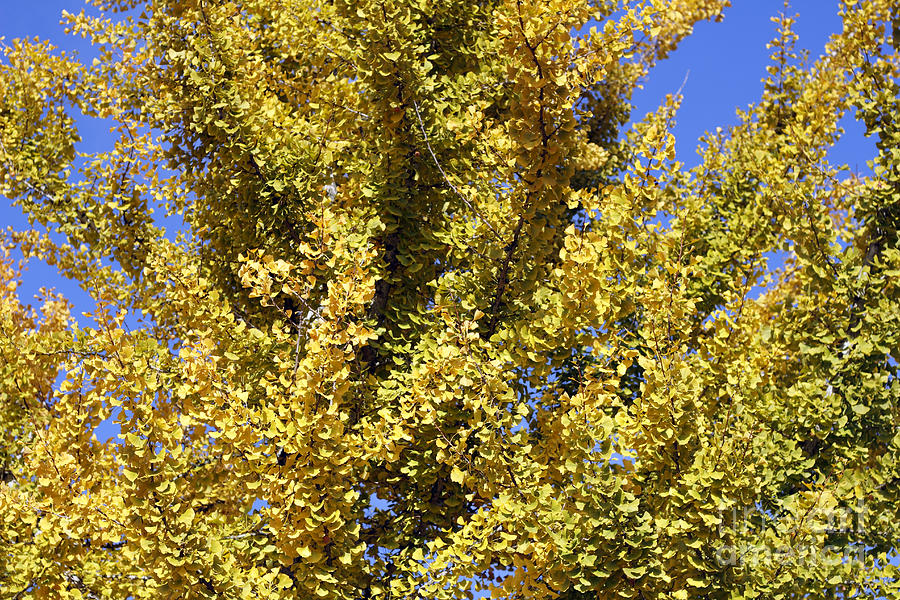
<point>683,82</point>
<point>447,179</point>
<point>296,357</point>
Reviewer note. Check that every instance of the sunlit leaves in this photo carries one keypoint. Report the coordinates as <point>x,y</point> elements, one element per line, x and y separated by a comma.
<point>436,322</point>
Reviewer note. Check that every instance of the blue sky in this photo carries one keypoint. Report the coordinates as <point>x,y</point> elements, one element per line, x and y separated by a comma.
<point>725,63</point>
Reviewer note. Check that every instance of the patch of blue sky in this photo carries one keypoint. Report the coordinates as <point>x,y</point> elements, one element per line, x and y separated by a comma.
<point>725,65</point>
<point>376,504</point>
<point>109,430</point>
<point>38,274</point>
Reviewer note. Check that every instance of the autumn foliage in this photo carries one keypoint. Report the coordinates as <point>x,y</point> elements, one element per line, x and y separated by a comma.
<point>441,323</point>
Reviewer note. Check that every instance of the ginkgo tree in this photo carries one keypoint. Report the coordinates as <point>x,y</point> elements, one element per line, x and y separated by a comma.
<point>441,323</point>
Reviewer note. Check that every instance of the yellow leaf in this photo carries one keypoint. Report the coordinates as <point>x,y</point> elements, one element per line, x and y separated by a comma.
<point>457,475</point>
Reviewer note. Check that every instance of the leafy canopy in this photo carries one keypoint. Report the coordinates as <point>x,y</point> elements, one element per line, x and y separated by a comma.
<point>440,323</point>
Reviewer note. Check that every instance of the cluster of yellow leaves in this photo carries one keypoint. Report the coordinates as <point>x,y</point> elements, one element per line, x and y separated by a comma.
<point>435,327</point>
